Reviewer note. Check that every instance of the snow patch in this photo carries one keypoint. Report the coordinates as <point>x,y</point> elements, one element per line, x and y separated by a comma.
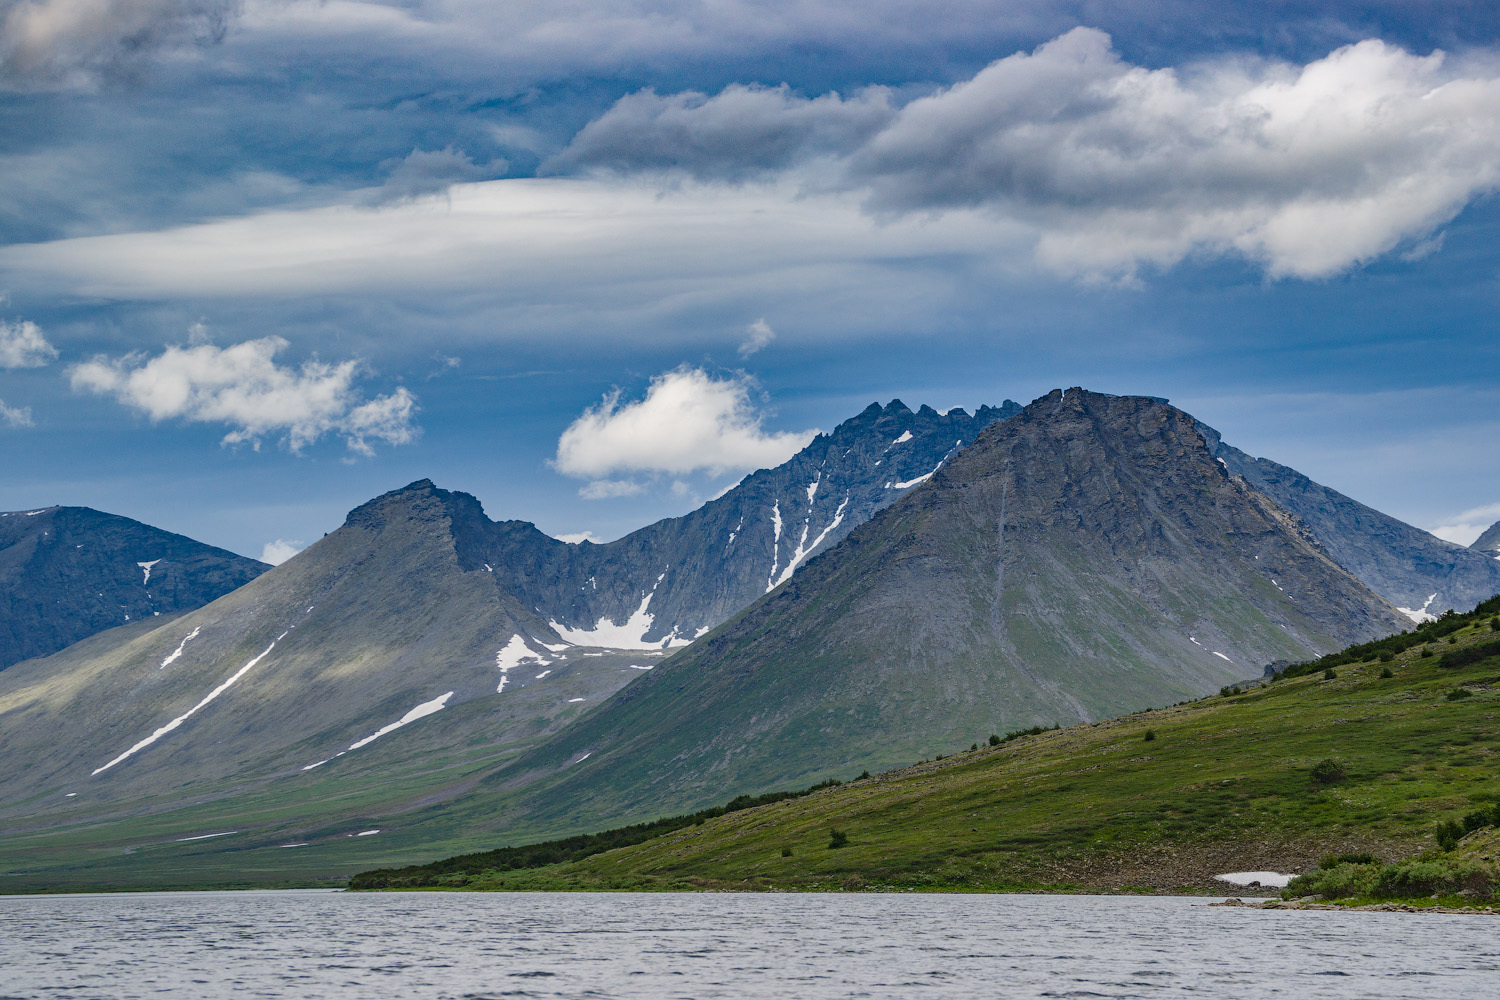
<point>1222,656</point>
<point>905,436</point>
<point>206,836</point>
<point>804,550</point>
<point>1420,615</point>
<point>284,846</point>
<point>367,833</point>
<point>812,488</point>
<point>164,730</point>
<point>637,666</point>
<point>572,700</point>
<point>544,673</point>
<point>629,635</point>
<point>516,653</point>
<point>585,757</point>
<point>146,568</point>
<point>1270,880</point>
<point>420,712</point>
<point>173,656</point>
<point>1194,641</point>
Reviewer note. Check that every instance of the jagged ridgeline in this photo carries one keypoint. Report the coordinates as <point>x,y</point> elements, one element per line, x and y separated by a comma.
<point>67,573</point>
<point>1081,559</point>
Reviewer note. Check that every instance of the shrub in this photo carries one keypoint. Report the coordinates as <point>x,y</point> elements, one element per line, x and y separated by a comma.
<point>1481,819</point>
<point>1328,772</point>
<point>1386,674</point>
<point>1428,651</point>
<point>1495,624</point>
<point>1459,694</point>
<point>1149,735</point>
<point>1448,834</point>
<point>862,776</point>
<point>837,839</point>
<point>786,852</point>
<point>1470,654</point>
<point>1329,674</point>
<point>994,740</point>
<point>973,747</point>
<point>1386,656</point>
<point>1358,858</point>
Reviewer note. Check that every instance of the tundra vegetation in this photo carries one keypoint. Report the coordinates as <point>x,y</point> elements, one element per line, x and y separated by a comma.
<point>1374,782</point>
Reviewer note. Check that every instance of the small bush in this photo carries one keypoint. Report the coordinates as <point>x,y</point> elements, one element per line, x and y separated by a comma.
<point>837,839</point>
<point>1481,819</point>
<point>973,747</point>
<point>1459,694</point>
<point>1149,735</point>
<point>994,740</point>
<point>1358,858</point>
<point>1330,674</point>
<point>1386,656</point>
<point>1495,624</point>
<point>786,852</point>
<point>1386,674</point>
<point>1328,772</point>
<point>1448,834</point>
<point>1428,651</point>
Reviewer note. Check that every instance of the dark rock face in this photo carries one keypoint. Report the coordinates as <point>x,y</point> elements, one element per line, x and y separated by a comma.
<point>673,580</point>
<point>69,572</point>
<point>1414,570</point>
<point>1489,542</point>
<point>1082,559</point>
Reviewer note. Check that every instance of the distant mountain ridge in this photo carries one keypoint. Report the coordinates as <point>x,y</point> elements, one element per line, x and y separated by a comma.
<point>67,573</point>
<point>1418,572</point>
<point>1489,541</point>
<point>663,585</point>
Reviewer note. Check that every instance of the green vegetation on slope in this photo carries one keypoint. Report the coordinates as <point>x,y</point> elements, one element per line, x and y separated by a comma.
<point>1270,779</point>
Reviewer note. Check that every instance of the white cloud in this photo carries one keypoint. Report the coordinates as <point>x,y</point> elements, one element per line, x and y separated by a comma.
<point>1307,170</point>
<point>689,421</point>
<point>23,346</point>
<point>606,489</point>
<point>15,416</point>
<point>50,44</point>
<point>243,387</point>
<point>573,538</point>
<point>1466,527</point>
<point>279,551</point>
<point>758,335</point>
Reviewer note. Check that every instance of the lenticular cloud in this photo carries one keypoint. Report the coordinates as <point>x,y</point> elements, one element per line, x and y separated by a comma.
<point>1306,170</point>
<point>243,386</point>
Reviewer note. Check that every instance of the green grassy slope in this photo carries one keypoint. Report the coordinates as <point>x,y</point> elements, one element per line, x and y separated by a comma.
<point>1226,785</point>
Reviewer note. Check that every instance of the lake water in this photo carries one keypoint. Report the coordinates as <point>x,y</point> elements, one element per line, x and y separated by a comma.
<point>311,945</point>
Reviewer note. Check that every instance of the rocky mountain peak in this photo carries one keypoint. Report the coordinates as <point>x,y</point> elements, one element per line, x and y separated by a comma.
<point>1490,540</point>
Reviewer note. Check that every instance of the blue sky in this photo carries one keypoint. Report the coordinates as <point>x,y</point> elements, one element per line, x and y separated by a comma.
<point>594,260</point>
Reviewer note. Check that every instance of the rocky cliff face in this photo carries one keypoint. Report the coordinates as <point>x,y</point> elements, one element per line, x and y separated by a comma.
<point>661,586</point>
<point>1489,542</point>
<point>67,573</point>
<point>1414,570</point>
<point>1085,558</point>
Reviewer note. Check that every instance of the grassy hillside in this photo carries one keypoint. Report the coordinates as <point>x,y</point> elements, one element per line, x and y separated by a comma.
<point>1368,757</point>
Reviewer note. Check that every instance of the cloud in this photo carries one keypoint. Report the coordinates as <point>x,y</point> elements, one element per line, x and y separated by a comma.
<point>425,172</point>
<point>74,44</point>
<point>689,421</point>
<point>1466,527</point>
<point>1306,170</point>
<point>742,131</point>
<point>279,551</point>
<point>13,416</point>
<point>573,538</point>
<point>606,489</point>
<point>760,334</point>
<point>23,346</point>
<point>243,387</point>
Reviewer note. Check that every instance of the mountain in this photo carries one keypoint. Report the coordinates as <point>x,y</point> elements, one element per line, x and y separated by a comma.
<point>1489,541</point>
<point>391,664</point>
<point>667,583</point>
<point>1418,572</point>
<point>69,572</point>
<point>1085,558</point>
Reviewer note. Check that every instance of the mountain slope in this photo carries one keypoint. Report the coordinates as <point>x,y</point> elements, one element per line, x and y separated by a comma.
<point>1082,559</point>
<point>1165,799</point>
<point>664,584</point>
<point>275,687</point>
<point>1489,542</point>
<point>69,572</point>
<point>1414,570</point>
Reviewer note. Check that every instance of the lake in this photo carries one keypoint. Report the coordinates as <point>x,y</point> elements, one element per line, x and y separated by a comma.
<point>311,944</point>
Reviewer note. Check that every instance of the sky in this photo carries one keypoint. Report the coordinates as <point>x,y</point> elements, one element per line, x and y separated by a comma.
<point>594,260</point>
